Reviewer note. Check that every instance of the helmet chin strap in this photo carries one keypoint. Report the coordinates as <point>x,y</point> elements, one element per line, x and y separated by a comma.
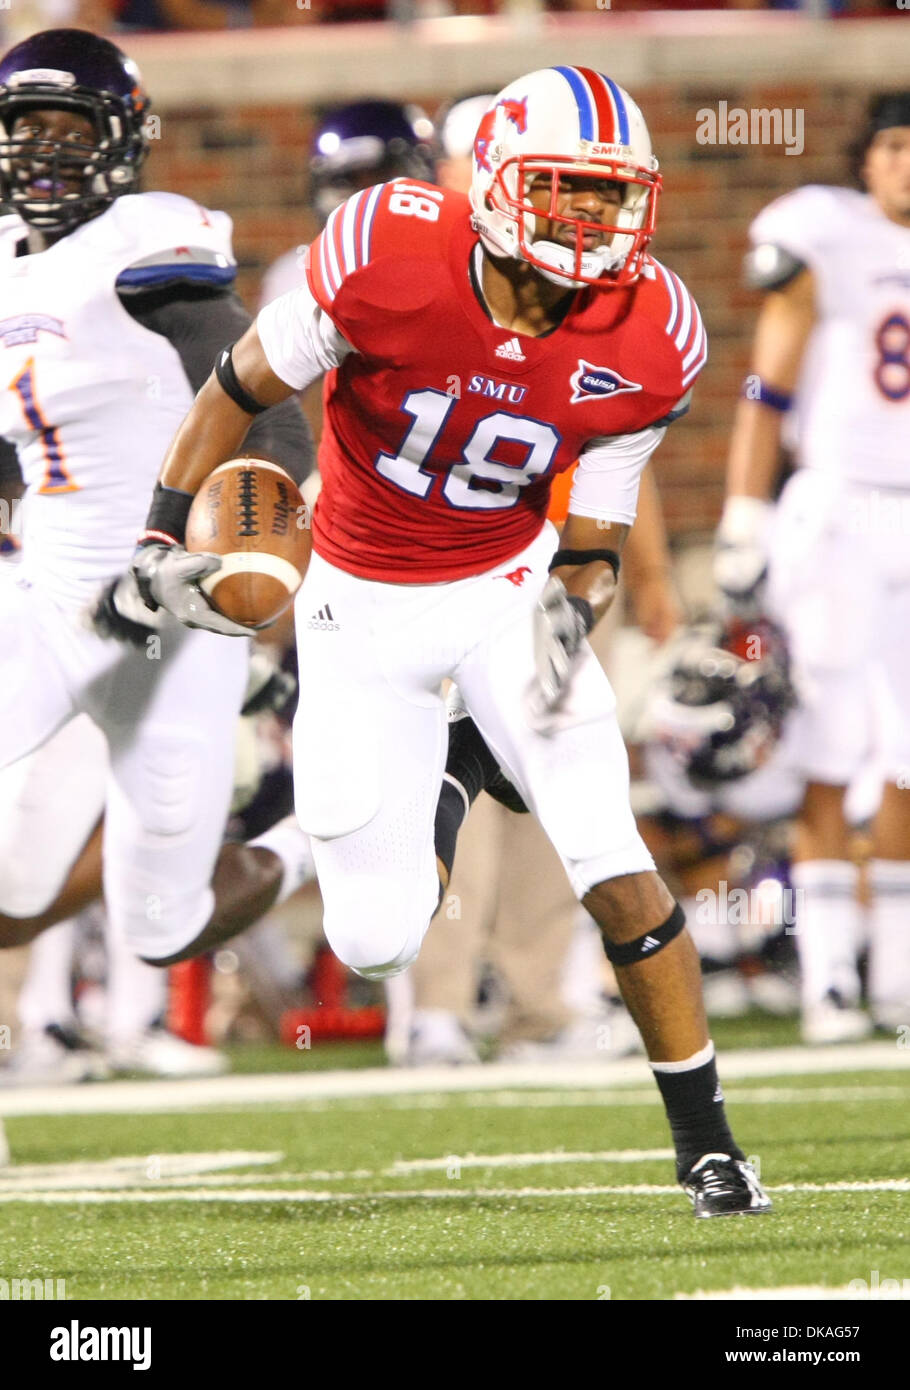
<point>562,260</point>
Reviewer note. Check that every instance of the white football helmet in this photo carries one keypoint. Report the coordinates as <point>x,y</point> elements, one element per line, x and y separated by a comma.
<point>565,121</point>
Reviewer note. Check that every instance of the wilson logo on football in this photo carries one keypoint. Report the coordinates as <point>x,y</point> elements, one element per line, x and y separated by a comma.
<point>589,381</point>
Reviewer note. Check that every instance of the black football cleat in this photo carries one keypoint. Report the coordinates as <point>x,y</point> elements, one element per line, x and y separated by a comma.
<point>723,1186</point>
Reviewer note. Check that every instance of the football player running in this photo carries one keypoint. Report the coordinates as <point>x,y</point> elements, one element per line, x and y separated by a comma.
<point>474,351</point>
<point>115,304</point>
<point>832,349</point>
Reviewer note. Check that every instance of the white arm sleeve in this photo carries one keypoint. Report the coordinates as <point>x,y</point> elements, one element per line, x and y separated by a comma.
<point>606,480</point>
<point>299,339</point>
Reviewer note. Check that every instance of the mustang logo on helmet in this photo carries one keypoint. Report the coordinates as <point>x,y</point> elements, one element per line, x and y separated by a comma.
<point>516,112</point>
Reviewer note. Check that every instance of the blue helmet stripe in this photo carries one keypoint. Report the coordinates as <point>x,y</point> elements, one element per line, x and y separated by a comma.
<point>582,101</point>
<point>621,111</point>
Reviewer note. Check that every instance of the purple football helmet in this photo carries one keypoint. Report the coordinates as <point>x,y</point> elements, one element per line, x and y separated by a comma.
<point>55,185</point>
<point>364,143</point>
<point>721,708</point>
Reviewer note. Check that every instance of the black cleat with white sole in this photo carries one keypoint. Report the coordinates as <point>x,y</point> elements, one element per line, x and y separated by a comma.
<point>723,1186</point>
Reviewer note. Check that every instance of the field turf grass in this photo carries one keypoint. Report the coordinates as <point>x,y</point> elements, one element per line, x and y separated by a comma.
<point>368,1197</point>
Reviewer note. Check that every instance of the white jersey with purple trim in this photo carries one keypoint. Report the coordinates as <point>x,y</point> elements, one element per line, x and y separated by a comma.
<point>853,398</point>
<point>90,398</point>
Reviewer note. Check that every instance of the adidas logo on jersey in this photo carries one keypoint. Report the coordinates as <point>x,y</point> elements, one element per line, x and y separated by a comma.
<point>324,621</point>
<point>511,351</point>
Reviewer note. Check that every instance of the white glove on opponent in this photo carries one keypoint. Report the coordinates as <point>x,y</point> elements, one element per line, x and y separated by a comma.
<point>741,553</point>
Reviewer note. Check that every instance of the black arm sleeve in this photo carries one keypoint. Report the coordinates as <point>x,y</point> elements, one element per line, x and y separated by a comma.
<point>198,322</point>
<point>10,472</point>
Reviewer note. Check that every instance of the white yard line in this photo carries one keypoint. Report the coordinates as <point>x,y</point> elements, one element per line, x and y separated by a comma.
<point>434,1165</point>
<point>163,1097</point>
<point>787,1293</point>
<point>309,1195</point>
<point>163,1169</point>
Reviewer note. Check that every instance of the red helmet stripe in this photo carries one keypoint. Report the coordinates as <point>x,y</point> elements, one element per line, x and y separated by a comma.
<point>602,97</point>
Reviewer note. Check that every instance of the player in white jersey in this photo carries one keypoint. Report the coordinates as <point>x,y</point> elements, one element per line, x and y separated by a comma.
<point>114,305</point>
<point>833,345</point>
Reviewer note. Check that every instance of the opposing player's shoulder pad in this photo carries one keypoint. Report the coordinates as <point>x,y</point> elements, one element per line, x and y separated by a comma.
<point>385,225</point>
<point>681,332</point>
<point>166,239</point>
<point>793,231</point>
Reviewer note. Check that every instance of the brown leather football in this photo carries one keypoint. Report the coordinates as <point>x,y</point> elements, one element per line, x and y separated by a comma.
<point>251,513</point>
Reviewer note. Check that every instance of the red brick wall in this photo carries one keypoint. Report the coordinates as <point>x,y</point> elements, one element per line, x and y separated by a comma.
<point>252,162</point>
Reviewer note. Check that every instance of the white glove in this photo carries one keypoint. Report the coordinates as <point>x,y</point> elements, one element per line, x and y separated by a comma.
<point>167,576</point>
<point>741,552</point>
<point>561,624</point>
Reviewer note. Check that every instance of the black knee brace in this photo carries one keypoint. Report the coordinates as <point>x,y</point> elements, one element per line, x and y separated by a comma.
<point>628,952</point>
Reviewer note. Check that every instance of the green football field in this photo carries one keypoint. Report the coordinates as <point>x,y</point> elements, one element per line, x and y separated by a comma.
<point>506,1185</point>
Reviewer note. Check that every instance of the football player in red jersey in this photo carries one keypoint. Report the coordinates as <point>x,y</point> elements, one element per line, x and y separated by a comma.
<point>472,353</point>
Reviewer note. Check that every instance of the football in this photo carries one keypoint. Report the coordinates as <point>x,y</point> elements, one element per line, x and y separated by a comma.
<point>251,513</point>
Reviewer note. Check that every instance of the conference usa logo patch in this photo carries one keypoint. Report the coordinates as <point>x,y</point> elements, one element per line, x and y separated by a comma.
<point>24,328</point>
<point>589,382</point>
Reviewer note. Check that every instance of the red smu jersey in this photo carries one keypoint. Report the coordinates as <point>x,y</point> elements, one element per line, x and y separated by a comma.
<point>442,431</point>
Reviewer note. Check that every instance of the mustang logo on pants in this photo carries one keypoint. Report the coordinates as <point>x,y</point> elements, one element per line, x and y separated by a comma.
<point>516,577</point>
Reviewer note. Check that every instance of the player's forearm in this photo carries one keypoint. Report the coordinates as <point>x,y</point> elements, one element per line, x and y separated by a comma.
<point>211,433</point>
<point>754,460</point>
<point>216,425</point>
<point>593,580</point>
<point>646,553</point>
<point>782,333</point>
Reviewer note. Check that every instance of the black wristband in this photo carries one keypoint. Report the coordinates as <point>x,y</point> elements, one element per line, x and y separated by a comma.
<point>584,557</point>
<point>166,521</point>
<point>227,380</point>
<point>583,609</point>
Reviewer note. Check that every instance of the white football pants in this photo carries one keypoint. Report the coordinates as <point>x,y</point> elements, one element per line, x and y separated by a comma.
<point>370,743</point>
<point>167,715</point>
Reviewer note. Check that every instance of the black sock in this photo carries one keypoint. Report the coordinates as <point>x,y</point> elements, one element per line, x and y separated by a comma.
<point>450,813</point>
<point>469,760</point>
<point>695,1108</point>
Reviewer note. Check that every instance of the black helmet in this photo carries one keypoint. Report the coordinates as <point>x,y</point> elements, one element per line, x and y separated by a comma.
<point>70,70</point>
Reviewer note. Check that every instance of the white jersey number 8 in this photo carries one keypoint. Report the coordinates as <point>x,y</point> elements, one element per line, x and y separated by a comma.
<point>409,200</point>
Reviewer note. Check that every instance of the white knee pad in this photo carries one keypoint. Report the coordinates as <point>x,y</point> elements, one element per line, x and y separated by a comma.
<point>26,889</point>
<point>171,781</point>
<point>375,925</point>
